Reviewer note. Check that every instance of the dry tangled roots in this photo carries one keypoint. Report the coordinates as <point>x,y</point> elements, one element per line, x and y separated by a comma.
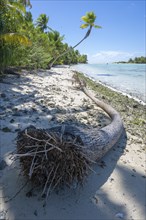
<point>51,160</point>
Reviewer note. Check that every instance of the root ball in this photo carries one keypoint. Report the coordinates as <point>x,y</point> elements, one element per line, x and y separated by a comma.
<point>51,159</point>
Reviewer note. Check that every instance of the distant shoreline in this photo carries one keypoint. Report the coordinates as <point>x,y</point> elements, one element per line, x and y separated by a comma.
<point>122,62</point>
<point>136,60</point>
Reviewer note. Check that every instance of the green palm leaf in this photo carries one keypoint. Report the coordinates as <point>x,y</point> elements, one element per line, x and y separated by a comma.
<point>84,26</point>
<point>97,26</point>
<point>17,7</point>
<point>15,38</point>
<point>85,19</point>
<point>89,18</point>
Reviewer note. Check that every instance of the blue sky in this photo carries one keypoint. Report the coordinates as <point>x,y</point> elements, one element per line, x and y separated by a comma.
<point>123,26</point>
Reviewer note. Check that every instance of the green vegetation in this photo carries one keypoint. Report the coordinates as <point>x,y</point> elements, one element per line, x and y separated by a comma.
<point>135,60</point>
<point>33,44</point>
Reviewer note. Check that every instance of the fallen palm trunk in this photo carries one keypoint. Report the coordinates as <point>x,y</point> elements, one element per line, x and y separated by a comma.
<point>101,141</point>
<point>98,141</point>
<point>63,155</point>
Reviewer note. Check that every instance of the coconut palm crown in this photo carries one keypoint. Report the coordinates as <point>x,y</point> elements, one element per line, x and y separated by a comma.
<point>89,20</point>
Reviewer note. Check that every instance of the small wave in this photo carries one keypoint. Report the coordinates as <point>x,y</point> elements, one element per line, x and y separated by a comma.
<point>104,74</point>
<point>140,75</point>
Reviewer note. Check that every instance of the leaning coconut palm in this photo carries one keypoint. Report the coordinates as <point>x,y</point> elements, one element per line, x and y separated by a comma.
<point>89,20</point>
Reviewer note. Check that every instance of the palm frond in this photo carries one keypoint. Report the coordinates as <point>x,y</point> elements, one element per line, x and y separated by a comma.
<point>89,18</point>
<point>84,26</point>
<point>15,38</point>
<point>17,7</point>
<point>97,26</point>
<point>84,18</point>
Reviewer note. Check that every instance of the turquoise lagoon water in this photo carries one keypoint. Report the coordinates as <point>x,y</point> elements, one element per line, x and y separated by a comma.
<point>126,78</point>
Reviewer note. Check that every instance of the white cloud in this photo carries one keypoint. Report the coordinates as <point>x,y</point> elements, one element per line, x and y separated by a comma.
<point>111,56</point>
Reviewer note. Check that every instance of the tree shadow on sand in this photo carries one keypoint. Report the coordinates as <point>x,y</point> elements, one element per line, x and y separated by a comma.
<point>73,203</point>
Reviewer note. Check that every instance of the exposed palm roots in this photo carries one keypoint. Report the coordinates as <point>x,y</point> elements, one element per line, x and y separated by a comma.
<point>51,160</point>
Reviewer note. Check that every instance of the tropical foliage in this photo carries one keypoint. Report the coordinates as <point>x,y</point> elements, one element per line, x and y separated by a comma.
<point>33,44</point>
<point>42,22</point>
<point>137,60</point>
<point>12,20</point>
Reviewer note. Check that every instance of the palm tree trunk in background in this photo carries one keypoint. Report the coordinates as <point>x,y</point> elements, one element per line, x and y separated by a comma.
<point>54,60</point>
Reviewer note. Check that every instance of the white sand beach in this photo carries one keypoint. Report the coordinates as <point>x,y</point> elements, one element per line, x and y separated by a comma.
<point>115,190</point>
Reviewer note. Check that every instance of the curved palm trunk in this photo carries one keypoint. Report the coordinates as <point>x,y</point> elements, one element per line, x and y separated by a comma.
<point>104,139</point>
<point>98,141</point>
<point>65,52</point>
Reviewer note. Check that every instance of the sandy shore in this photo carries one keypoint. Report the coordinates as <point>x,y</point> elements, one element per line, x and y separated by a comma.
<point>116,190</point>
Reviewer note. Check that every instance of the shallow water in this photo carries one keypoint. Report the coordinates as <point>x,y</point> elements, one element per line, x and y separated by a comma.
<point>126,78</point>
